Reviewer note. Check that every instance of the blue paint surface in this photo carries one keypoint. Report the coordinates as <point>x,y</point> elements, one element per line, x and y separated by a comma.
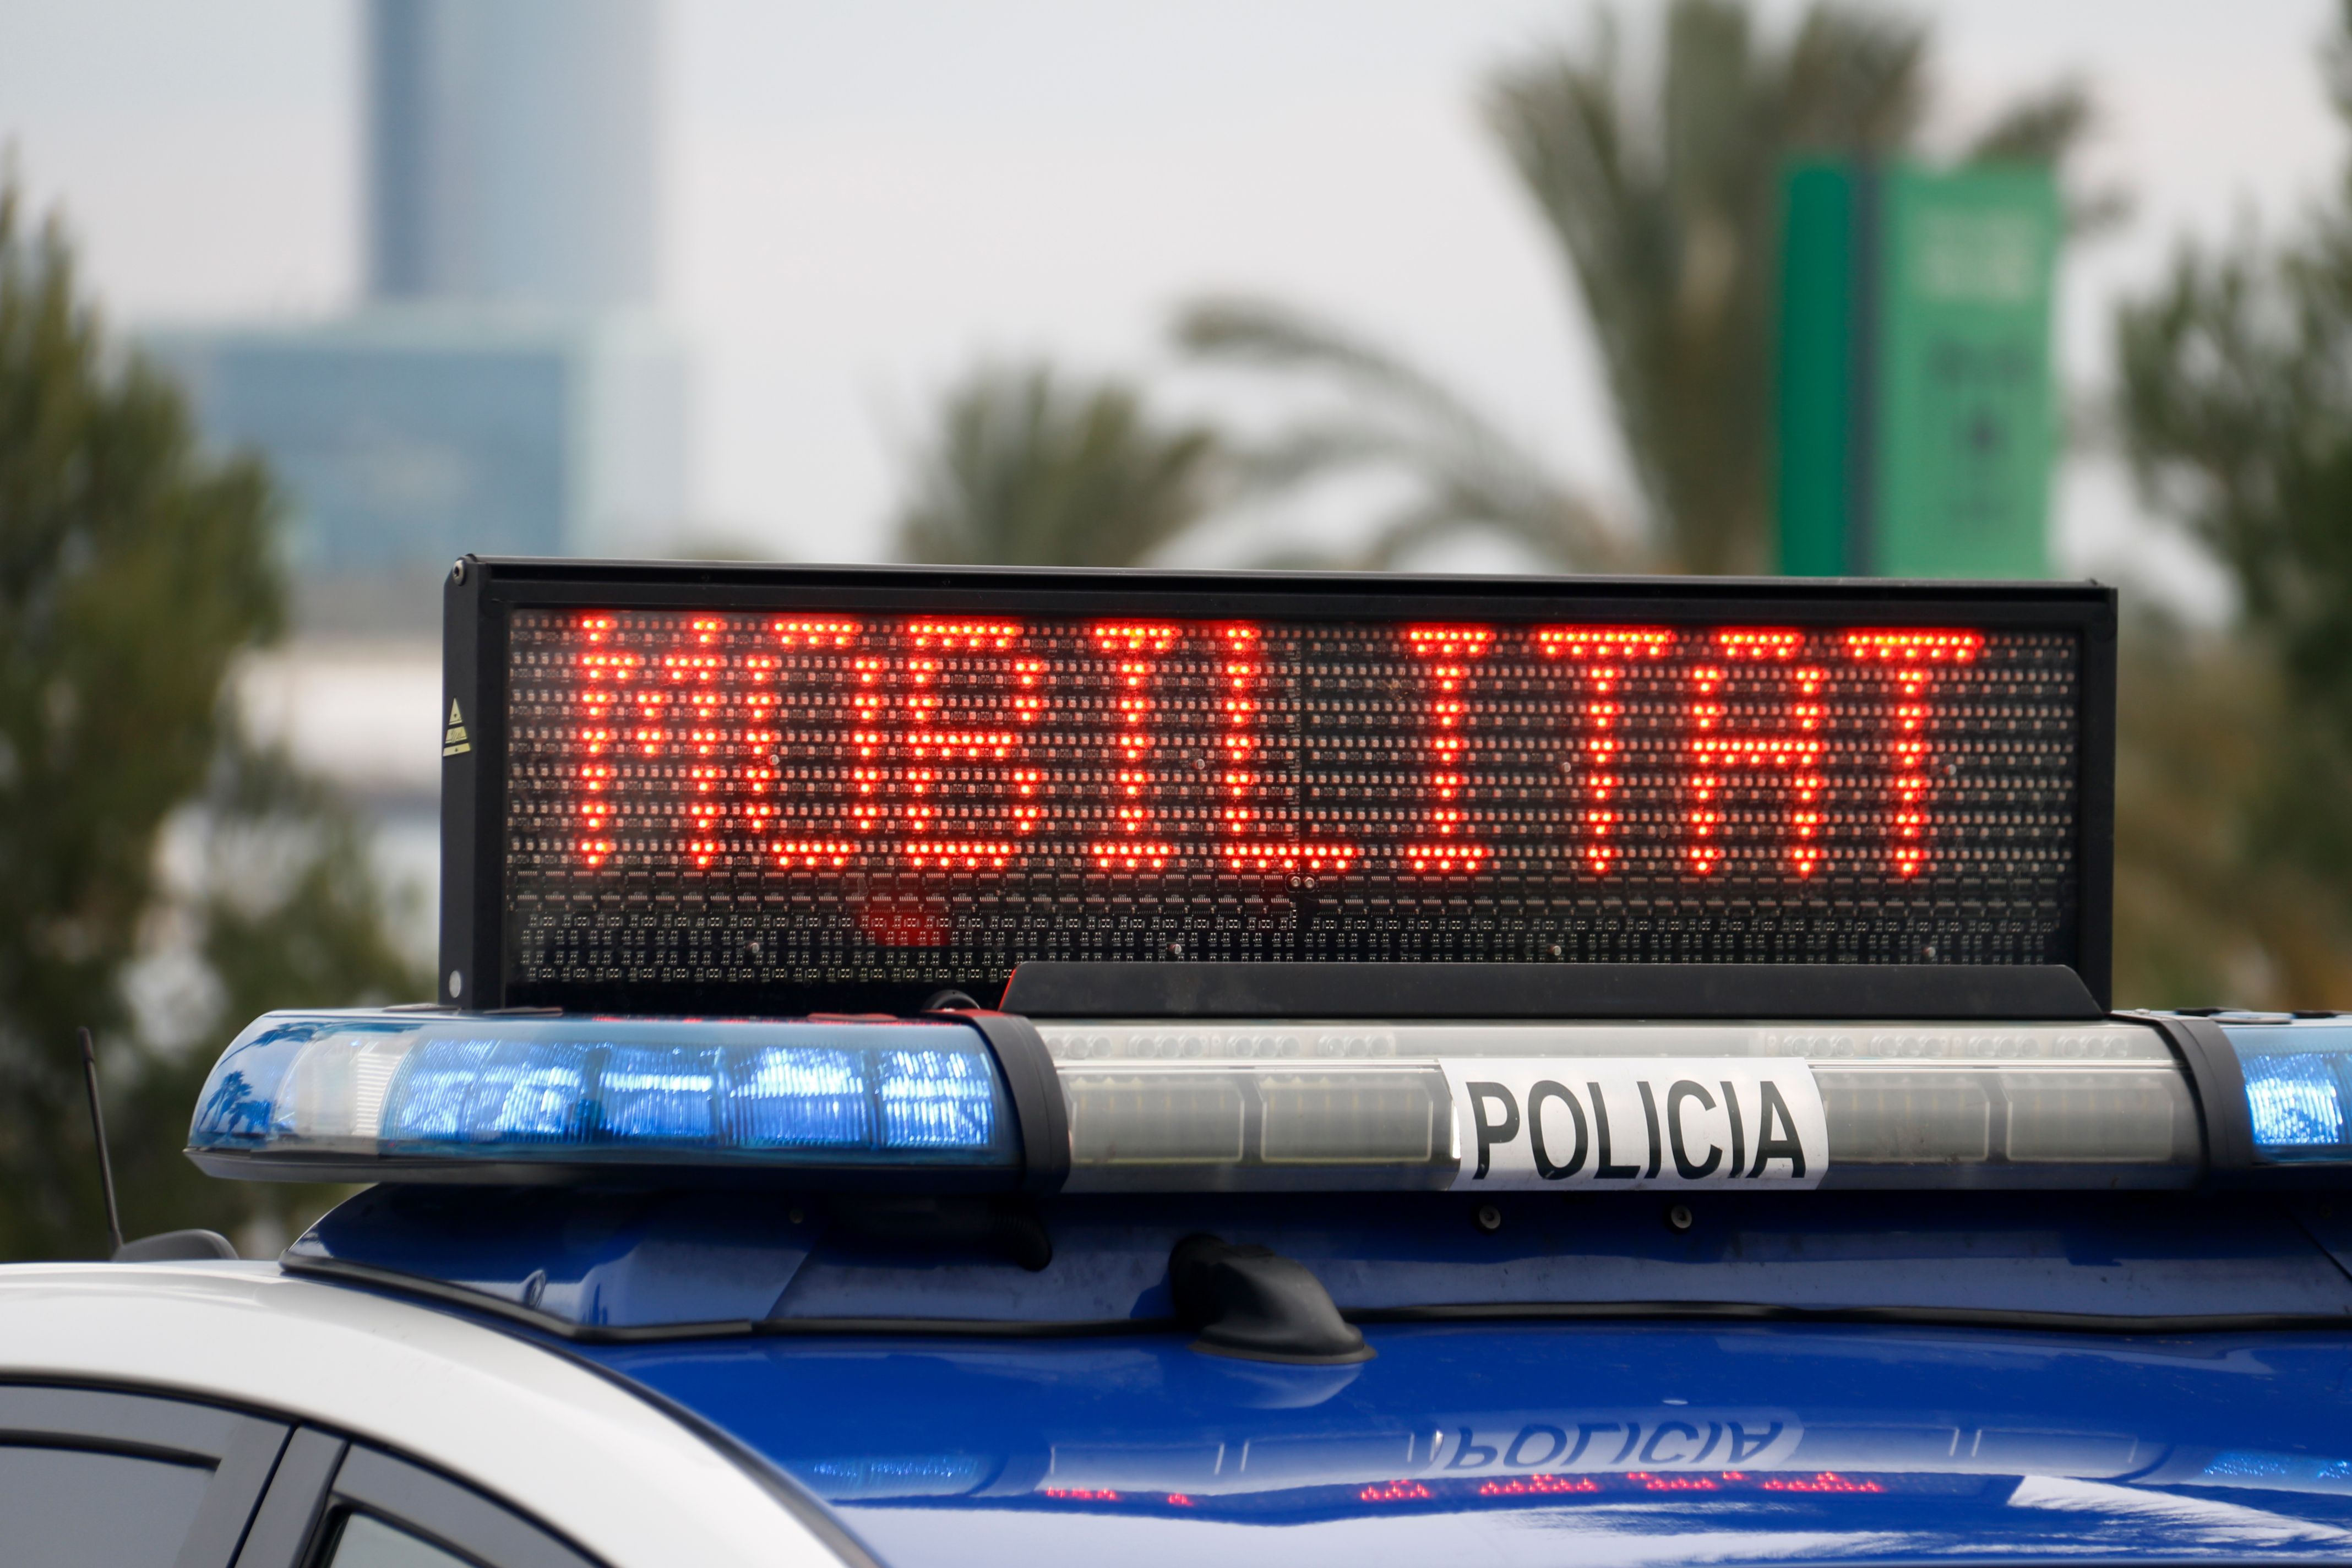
<point>588,1257</point>
<point>1505,1444</point>
<point>643,1260</point>
<point>1549,1444</point>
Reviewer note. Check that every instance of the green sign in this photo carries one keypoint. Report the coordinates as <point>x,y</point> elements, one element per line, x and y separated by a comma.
<point>1916,417</point>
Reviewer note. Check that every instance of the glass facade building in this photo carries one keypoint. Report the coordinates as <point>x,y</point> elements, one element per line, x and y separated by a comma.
<point>409,434</point>
<point>503,387</point>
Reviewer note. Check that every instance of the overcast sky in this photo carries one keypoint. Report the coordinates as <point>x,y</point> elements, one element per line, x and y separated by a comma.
<point>862,197</point>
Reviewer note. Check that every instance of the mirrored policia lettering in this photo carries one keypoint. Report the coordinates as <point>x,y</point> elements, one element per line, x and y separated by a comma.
<point>1602,1442</point>
<point>1638,1122</point>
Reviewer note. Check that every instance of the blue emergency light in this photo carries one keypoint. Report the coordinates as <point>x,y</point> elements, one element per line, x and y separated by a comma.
<point>421,1092</point>
<point>2298,1081</point>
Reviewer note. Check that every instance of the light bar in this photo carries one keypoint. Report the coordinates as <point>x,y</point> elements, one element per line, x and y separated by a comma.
<point>300,1093</point>
<point>769,789</point>
<point>1145,1106</point>
<point>1155,1106</point>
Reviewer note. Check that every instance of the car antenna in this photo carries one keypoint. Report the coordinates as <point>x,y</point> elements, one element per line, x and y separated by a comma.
<point>97,1131</point>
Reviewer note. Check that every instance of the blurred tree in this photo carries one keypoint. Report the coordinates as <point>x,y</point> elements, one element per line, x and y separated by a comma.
<point>1662,197</point>
<point>2208,908</point>
<point>132,575</point>
<point>1468,472</point>
<point>2235,399</point>
<point>1027,469</point>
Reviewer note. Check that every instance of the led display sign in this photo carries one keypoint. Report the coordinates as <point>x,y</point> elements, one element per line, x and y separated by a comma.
<point>711,788</point>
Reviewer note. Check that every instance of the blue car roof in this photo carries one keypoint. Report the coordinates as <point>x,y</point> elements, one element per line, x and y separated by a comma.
<point>592,1264</point>
<point>1820,1377</point>
<point>1544,1444</point>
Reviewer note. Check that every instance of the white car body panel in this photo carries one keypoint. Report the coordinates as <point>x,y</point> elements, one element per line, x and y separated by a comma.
<point>540,1432</point>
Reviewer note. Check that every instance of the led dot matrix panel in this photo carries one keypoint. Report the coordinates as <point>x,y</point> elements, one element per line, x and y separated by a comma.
<point>695,787</point>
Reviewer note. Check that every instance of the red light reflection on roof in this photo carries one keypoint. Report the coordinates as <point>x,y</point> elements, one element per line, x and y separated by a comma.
<point>1538,1486</point>
<point>1393,1491</point>
<point>1652,1482</point>
<point>1826,1481</point>
<point>1079,1494</point>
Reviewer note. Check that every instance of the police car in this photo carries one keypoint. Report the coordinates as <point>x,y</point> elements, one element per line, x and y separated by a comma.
<point>976,1067</point>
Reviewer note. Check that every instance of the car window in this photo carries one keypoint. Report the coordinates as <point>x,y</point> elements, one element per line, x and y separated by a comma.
<point>365,1541</point>
<point>338,1504</point>
<point>109,1476</point>
<point>113,1478</point>
<point>64,1508</point>
<point>373,1484</point>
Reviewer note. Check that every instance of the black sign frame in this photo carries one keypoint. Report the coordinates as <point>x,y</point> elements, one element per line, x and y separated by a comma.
<point>479,592</point>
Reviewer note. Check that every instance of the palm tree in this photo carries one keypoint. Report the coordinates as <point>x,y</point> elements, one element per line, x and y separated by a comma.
<point>1469,472</point>
<point>1029,469</point>
<point>1664,204</point>
<point>2235,411</point>
<point>2229,865</point>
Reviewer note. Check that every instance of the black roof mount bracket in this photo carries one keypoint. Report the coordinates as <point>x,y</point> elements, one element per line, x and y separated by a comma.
<point>1254,1303</point>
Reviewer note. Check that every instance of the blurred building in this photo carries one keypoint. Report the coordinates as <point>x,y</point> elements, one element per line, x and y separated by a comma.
<point>415,433</point>
<point>510,151</point>
<point>505,385</point>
